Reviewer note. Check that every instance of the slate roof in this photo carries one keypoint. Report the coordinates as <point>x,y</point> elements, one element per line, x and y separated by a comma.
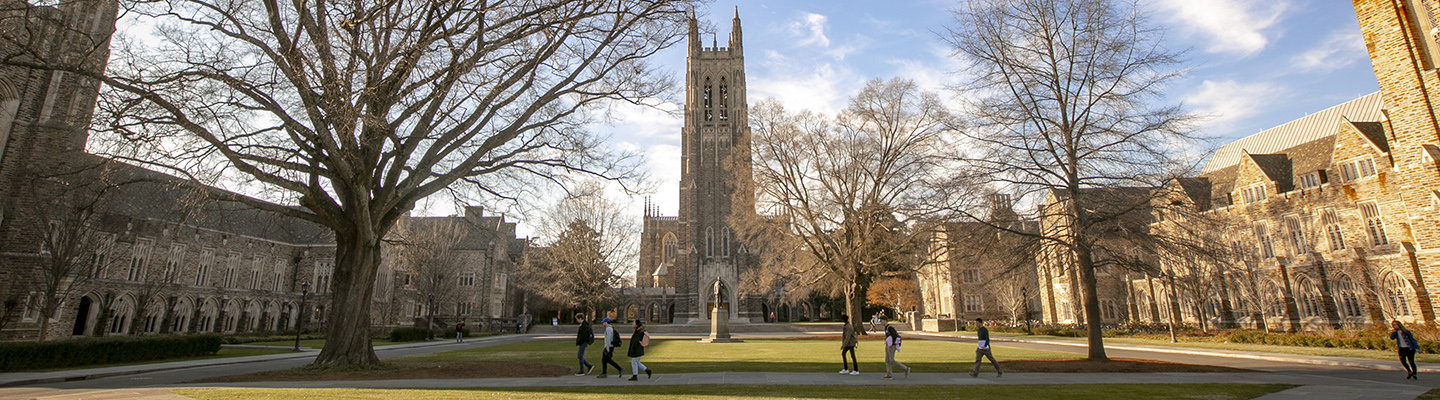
<point>1198,190</point>
<point>149,195</point>
<point>1276,168</point>
<point>1290,134</point>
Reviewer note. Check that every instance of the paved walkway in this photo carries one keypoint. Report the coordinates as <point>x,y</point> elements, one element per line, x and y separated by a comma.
<point>1354,362</point>
<point>1328,378</point>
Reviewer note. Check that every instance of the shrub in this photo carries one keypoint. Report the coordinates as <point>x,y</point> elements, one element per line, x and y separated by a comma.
<point>270,338</point>
<point>407,334</point>
<point>111,350</point>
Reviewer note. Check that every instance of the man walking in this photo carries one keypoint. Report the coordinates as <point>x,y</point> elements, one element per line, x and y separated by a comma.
<point>982,349</point>
<point>584,338</point>
<point>607,355</point>
<point>460,332</point>
<point>848,340</point>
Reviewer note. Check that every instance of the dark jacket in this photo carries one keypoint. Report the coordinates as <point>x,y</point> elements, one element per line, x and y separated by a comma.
<point>586,335</point>
<point>636,350</point>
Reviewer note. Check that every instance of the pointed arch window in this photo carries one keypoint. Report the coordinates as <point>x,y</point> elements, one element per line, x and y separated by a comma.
<point>725,242</point>
<point>1397,296</point>
<point>670,244</point>
<point>709,242</point>
<point>1310,305</point>
<point>1347,298</point>
<point>705,99</point>
<point>724,100</point>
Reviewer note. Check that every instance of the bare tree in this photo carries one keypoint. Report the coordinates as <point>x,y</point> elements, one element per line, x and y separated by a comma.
<point>69,239</point>
<point>427,250</point>
<point>1062,94</point>
<point>356,111</point>
<point>588,202</point>
<point>855,194</point>
<point>572,271</point>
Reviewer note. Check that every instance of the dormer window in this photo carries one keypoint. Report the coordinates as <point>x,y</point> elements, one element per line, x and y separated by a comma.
<point>1310,180</point>
<point>1253,193</point>
<point>1357,169</point>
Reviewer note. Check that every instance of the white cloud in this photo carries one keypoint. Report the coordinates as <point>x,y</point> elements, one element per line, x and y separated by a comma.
<point>816,87</point>
<point>810,30</point>
<point>1224,103</point>
<point>1339,50</point>
<point>1231,26</point>
<point>664,163</point>
<point>632,121</point>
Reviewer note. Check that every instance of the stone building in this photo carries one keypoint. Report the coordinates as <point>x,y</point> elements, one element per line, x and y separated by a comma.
<point>981,270</point>
<point>705,259</point>
<point>150,253</point>
<point>1332,217</point>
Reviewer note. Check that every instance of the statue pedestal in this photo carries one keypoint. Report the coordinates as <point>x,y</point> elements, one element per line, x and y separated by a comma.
<point>720,327</point>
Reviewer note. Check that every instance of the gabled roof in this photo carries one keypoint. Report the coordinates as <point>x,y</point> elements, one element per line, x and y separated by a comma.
<point>1375,132</point>
<point>1290,134</point>
<point>1198,190</point>
<point>1277,168</point>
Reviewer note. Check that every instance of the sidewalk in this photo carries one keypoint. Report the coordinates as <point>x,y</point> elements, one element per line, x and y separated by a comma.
<point>1366,363</point>
<point>1309,387</point>
<point>11,379</point>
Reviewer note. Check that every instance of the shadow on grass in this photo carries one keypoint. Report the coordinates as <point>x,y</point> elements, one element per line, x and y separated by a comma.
<point>1068,392</point>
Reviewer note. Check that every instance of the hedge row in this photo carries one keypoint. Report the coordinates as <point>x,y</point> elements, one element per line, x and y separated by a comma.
<point>407,334</point>
<point>69,353</point>
<point>1362,342</point>
<point>1061,332</point>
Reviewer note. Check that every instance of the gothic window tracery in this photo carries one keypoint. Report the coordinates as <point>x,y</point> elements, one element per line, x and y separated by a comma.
<point>724,100</point>
<point>705,99</point>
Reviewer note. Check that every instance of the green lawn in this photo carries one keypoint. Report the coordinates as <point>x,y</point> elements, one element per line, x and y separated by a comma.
<point>1267,348</point>
<point>223,353</point>
<point>1067,392</point>
<point>320,343</point>
<point>758,355</point>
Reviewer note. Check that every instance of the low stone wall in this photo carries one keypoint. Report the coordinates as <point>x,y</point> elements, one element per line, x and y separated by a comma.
<point>938,325</point>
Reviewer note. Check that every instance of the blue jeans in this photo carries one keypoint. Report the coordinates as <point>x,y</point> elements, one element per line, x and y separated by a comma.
<point>636,367</point>
<point>581,356</point>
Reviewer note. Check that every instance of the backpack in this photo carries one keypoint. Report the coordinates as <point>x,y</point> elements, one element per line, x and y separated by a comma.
<point>645,340</point>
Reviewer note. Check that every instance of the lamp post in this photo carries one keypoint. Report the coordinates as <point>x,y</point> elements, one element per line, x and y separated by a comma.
<point>430,325</point>
<point>300,312</point>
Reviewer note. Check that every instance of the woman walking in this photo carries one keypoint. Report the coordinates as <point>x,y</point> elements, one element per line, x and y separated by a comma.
<point>638,342</point>
<point>848,340</point>
<point>892,346</point>
<point>1406,343</point>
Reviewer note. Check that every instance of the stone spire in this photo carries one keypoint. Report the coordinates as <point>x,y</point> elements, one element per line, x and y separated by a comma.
<point>735,31</point>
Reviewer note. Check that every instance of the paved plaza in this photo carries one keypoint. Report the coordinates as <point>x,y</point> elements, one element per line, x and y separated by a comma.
<point>1317,378</point>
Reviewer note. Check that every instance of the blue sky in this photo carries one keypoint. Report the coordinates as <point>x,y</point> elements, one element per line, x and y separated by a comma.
<point>1252,64</point>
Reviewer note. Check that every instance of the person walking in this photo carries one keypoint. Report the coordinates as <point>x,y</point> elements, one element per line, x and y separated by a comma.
<point>583,339</point>
<point>607,354</point>
<point>1405,342</point>
<point>638,342</point>
<point>892,346</point>
<point>460,332</point>
<point>848,340</point>
<point>982,349</point>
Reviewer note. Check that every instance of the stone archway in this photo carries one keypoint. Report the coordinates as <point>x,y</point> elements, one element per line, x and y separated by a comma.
<point>82,316</point>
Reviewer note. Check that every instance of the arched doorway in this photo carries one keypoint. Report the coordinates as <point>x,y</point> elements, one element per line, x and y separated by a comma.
<point>784,312</point>
<point>671,317</point>
<point>765,312</point>
<point>82,317</point>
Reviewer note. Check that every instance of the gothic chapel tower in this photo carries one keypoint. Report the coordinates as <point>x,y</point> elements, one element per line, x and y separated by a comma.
<point>715,128</point>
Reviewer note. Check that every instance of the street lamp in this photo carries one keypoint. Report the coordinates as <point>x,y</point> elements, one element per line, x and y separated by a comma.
<point>430,325</point>
<point>300,312</point>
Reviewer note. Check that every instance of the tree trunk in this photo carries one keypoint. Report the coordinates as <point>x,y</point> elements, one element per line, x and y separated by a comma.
<point>45,314</point>
<point>1091,302</point>
<point>347,333</point>
<point>852,307</point>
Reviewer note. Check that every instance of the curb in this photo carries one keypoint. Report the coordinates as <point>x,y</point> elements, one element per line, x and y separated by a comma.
<point>1311,360</point>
